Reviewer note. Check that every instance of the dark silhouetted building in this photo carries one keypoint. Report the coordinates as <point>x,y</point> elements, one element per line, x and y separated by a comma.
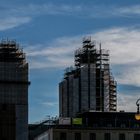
<point>89,85</point>
<point>13,92</point>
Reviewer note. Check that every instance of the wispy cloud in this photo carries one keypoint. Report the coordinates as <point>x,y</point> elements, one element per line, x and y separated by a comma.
<point>123,44</point>
<point>50,104</point>
<point>86,11</point>
<point>23,14</point>
<point>130,10</point>
<point>124,47</point>
<point>130,75</point>
<point>16,15</point>
<point>127,102</point>
<point>34,10</point>
<point>58,54</point>
<point>12,22</point>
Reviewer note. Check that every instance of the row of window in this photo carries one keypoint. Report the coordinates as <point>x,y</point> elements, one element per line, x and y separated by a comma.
<point>92,136</point>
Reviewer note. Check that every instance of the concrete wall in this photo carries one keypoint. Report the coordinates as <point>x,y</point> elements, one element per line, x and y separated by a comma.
<point>14,91</point>
<point>85,134</point>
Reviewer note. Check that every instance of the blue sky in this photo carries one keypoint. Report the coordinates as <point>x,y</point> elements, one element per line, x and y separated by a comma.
<point>49,32</point>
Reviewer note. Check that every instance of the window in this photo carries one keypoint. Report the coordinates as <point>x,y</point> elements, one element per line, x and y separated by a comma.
<point>63,136</point>
<point>136,136</point>
<point>77,136</point>
<point>107,136</point>
<point>121,136</point>
<point>92,136</point>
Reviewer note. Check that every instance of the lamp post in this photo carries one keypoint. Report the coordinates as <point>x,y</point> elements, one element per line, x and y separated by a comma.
<point>137,116</point>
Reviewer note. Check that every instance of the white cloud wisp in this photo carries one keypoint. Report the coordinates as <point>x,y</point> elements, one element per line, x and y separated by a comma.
<point>11,22</point>
<point>127,102</point>
<point>19,14</point>
<point>123,43</point>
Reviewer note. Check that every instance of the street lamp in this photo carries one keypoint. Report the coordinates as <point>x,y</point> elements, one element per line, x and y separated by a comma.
<point>137,116</point>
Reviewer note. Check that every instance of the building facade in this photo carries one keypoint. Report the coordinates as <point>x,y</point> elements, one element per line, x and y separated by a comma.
<point>94,126</point>
<point>89,85</point>
<point>13,92</point>
<point>89,134</point>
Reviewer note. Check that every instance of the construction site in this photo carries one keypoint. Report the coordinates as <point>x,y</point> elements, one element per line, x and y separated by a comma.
<point>88,102</point>
<point>87,99</point>
<point>89,85</point>
<point>13,92</point>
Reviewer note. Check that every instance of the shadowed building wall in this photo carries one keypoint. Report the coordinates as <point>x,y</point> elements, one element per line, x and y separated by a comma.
<point>13,92</point>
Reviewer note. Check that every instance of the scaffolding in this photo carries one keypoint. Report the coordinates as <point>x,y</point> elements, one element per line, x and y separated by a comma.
<point>13,91</point>
<point>89,84</point>
<point>10,52</point>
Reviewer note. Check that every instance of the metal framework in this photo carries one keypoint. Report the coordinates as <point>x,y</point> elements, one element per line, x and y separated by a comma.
<point>90,84</point>
<point>13,92</point>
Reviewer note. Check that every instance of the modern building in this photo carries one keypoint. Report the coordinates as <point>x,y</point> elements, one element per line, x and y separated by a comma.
<point>90,84</point>
<point>13,92</point>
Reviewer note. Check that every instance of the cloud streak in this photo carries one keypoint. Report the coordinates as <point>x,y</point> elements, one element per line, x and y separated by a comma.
<point>130,10</point>
<point>11,22</point>
<point>14,16</point>
<point>86,11</point>
<point>124,47</point>
<point>50,104</point>
<point>127,102</point>
<point>19,14</point>
<point>58,54</point>
<point>123,44</point>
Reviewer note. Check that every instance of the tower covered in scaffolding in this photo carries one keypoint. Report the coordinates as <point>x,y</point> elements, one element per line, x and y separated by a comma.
<point>89,85</point>
<point>13,92</point>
